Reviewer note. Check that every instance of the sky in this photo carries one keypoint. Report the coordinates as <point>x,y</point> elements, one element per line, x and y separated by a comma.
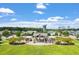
<point>53,15</point>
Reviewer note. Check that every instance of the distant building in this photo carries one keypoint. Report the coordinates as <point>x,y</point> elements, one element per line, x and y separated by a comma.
<point>44,28</point>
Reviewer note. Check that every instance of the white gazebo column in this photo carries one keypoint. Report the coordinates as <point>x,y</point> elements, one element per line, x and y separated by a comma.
<point>44,40</point>
<point>34,40</point>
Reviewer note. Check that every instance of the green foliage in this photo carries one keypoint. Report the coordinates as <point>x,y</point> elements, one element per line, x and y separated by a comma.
<point>18,33</point>
<point>6,33</point>
<point>21,29</point>
<point>49,34</point>
<point>65,33</point>
<point>66,40</point>
<point>56,34</point>
<point>77,35</point>
<point>0,38</point>
<point>27,34</point>
<point>14,39</point>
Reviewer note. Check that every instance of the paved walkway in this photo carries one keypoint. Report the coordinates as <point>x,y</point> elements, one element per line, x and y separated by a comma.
<point>31,43</point>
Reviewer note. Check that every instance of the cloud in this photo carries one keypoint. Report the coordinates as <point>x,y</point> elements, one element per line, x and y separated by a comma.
<point>56,18</point>
<point>6,11</point>
<point>13,19</point>
<point>38,24</point>
<point>40,6</point>
<point>47,4</point>
<point>23,24</point>
<point>39,12</point>
<point>51,22</point>
<point>77,19</point>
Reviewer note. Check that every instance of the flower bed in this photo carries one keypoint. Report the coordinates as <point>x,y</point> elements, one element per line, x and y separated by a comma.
<point>64,41</point>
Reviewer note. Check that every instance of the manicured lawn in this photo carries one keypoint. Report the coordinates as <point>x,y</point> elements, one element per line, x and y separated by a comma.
<point>6,49</point>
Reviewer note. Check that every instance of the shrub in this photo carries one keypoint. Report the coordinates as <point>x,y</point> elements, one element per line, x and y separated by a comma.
<point>18,33</point>
<point>13,39</point>
<point>56,34</point>
<point>1,40</point>
<point>16,40</point>
<point>49,34</point>
<point>0,37</point>
<point>65,33</point>
<point>64,41</point>
<point>77,36</point>
<point>26,34</point>
<point>6,33</point>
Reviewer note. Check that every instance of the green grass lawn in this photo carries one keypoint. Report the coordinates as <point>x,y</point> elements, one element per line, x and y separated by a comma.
<point>6,49</point>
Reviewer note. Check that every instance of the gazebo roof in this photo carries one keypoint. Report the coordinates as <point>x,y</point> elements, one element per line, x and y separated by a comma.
<point>41,34</point>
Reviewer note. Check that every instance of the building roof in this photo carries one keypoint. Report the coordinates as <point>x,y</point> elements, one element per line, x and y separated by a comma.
<point>41,34</point>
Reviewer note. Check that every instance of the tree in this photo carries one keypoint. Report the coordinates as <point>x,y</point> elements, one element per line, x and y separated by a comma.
<point>77,35</point>
<point>6,33</point>
<point>0,38</point>
<point>65,33</point>
<point>49,34</point>
<point>56,34</point>
<point>18,33</point>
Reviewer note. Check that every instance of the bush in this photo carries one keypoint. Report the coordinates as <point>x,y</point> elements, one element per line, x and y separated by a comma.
<point>18,33</point>
<point>16,40</point>
<point>13,39</point>
<point>77,35</point>
<point>65,33</point>
<point>15,43</point>
<point>1,42</point>
<point>49,34</point>
<point>0,37</point>
<point>64,41</point>
<point>6,33</point>
<point>56,34</point>
<point>27,34</point>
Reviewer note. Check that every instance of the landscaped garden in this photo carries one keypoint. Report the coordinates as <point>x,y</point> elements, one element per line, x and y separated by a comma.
<point>7,49</point>
<point>15,43</point>
<point>38,50</point>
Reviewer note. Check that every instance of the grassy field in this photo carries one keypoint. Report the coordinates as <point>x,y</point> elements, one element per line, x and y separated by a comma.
<point>6,49</point>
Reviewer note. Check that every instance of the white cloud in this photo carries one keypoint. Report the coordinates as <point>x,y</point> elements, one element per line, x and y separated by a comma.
<point>77,19</point>
<point>38,24</point>
<point>47,4</point>
<point>56,18</point>
<point>52,22</point>
<point>13,19</point>
<point>39,12</point>
<point>6,11</point>
<point>23,24</point>
<point>40,6</point>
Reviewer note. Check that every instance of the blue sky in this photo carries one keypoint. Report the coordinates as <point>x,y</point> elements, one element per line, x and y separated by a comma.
<point>52,14</point>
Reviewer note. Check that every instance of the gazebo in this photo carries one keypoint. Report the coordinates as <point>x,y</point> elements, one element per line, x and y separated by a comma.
<point>41,37</point>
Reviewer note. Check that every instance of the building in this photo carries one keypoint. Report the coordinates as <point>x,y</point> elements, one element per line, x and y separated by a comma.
<point>44,28</point>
